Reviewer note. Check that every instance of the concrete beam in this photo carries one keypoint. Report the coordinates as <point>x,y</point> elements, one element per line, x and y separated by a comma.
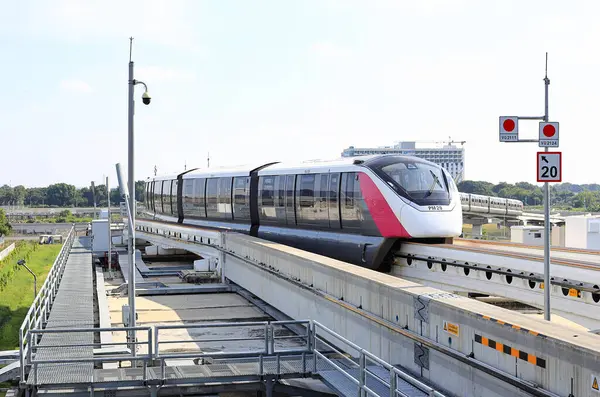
<point>428,332</point>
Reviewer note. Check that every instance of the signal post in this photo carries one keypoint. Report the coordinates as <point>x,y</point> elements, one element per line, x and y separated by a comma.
<point>549,169</point>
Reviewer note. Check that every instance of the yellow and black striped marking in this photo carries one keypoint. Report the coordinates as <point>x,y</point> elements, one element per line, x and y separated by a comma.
<point>530,358</point>
<point>513,326</point>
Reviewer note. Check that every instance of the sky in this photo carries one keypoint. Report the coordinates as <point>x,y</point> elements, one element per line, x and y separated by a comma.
<point>262,81</point>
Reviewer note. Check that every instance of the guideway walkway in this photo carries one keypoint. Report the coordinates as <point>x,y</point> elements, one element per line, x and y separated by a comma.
<point>72,308</point>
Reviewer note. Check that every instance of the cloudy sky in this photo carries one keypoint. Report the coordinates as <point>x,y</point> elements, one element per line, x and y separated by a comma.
<point>262,81</point>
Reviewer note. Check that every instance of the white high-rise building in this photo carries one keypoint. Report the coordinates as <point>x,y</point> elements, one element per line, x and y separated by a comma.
<point>450,157</point>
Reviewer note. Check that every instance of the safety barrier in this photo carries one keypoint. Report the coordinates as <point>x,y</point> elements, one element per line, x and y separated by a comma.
<point>317,351</point>
<point>371,369</point>
<point>40,308</point>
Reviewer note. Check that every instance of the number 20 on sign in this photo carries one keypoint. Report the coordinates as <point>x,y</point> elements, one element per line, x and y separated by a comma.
<point>549,166</point>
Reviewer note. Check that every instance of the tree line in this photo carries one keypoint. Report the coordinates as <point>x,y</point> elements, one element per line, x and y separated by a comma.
<point>63,195</point>
<point>566,196</point>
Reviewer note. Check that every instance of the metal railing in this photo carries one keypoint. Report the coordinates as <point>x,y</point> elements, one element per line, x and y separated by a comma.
<point>39,310</point>
<point>261,347</point>
<point>34,348</point>
<point>267,352</point>
<point>365,360</point>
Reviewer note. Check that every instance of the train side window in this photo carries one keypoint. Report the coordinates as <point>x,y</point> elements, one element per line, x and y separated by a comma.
<point>280,185</point>
<point>267,191</point>
<point>157,199</point>
<point>165,192</point>
<point>241,196</point>
<point>279,190</point>
<point>212,191</point>
<point>224,202</point>
<point>187,197</point>
<point>351,215</point>
<point>349,202</point>
<point>152,195</point>
<point>321,207</point>
<point>323,192</point>
<point>200,197</point>
<point>334,210</point>
<point>174,185</point>
<point>290,210</point>
<point>307,194</point>
<point>305,189</point>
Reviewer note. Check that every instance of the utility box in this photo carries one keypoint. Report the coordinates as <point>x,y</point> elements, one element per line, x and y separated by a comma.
<point>100,235</point>
<point>206,264</point>
<point>528,235</point>
<point>582,232</point>
<point>558,236</point>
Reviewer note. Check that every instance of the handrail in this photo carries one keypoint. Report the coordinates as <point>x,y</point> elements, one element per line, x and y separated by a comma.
<point>363,355</point>
<point>40,308</point>
<point>312,336</point>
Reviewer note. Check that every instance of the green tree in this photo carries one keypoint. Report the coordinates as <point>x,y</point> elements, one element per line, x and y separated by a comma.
<point>476,187</point>
<point>6,195</point>
<point>19,194</point>
<point>36,196</point>
<point>5,227</point>
<point>61,195</point>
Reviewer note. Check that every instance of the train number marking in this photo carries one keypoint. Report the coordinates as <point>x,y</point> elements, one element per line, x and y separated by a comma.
<point>434,207</point>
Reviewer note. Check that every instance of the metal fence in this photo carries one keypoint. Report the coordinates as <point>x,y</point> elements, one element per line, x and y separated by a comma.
<point>40,308</point>
<point>366,374</point>
<point>316,351</point>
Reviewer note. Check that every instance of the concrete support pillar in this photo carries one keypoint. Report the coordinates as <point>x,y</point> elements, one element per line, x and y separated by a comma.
<point>153,391</point>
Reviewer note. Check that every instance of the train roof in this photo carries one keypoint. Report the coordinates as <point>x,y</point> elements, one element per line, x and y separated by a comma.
<point>284,167</point>
<point>241,170</point>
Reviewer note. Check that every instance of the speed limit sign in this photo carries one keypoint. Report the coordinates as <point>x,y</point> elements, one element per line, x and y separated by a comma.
<point>549,166</point>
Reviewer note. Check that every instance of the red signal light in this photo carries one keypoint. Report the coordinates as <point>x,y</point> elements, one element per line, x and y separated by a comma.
<point>549,130</point>
<point>508,125</point>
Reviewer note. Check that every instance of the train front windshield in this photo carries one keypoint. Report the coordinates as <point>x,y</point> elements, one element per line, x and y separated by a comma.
<point>418,181</point>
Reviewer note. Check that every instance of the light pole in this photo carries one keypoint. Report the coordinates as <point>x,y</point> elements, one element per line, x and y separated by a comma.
<point>146,100</point>
<point>22,263</point>
<point>131,188</point>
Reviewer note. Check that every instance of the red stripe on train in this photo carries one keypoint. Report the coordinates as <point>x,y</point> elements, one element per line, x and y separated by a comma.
<point>387,222</point>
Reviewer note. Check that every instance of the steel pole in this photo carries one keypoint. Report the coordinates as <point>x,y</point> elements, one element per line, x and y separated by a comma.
<point>109,232</point>
<point>130,183</point>
<point>34,280</point>
<point>547,286</point>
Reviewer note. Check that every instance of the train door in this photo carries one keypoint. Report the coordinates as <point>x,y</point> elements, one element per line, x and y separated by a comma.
<point>334,205</point>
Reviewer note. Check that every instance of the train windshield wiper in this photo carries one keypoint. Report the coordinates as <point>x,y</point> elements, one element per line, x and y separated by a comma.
<point>435,180</point>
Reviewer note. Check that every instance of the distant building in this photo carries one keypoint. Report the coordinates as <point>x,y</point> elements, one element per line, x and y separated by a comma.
<point>448,156</point>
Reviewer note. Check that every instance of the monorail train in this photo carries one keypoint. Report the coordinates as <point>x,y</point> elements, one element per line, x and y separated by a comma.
<point>354,209</point>
<point>490,205</point>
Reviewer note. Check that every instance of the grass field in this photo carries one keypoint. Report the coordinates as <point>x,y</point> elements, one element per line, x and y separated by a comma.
<point>490,231</point>
<point>17,295</point>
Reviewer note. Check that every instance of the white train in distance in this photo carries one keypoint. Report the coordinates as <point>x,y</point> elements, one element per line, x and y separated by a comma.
<point>476,203</point>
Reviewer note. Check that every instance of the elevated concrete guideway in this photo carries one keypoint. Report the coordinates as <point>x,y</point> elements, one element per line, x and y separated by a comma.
<point>399,320</point>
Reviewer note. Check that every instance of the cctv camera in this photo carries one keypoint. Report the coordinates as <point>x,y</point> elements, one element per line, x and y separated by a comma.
<point>21,262</point>
<point>146,98</point>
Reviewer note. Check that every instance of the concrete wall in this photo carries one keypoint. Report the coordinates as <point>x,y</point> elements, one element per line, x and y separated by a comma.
<point>583,232</point>
<point>4,253</point>
<point>391,317</point>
